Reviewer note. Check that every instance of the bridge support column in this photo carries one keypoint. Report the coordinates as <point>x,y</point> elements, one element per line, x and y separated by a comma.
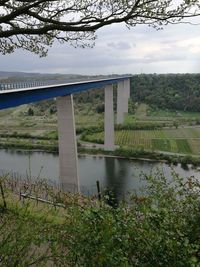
<point>127,93</point>
<point>109,119</point>
<point>123,95</point>
<point>121,102</point>
<point>68,159</point>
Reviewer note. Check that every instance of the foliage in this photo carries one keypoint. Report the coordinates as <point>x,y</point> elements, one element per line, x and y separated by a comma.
<point>35,25</point>
<point>30,112</point>
<point>28,146</point>
<point>131,106</point>
<point>140,126</point>
<point>183,146</point>
<point>100,108</point>
<point>158,227</point>
<point>159,230</point>
<point>167,91</point>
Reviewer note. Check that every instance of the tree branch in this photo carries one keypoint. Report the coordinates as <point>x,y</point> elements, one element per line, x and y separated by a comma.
<point>51,19</point>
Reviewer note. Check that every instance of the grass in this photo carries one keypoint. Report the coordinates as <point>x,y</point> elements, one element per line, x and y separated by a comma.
<point>195,146</point>
<point>141,110</point>
<point>172,145</point>
<point>183,146</point>
<point>187,133</point>
<point>172,114</point>
<point>16,119</point>
<point>192,132</point>
<point>144,113</point>
<point>182,140</point>
<point>160,144</point>
<point>88,120</point>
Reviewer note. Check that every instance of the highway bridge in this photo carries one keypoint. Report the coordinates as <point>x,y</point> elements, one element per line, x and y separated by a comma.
<point>16,95</point>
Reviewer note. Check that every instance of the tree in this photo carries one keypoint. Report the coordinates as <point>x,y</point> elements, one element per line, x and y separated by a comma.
<point>100,108</point>
<point>34,25</point>
<point>30,112</point>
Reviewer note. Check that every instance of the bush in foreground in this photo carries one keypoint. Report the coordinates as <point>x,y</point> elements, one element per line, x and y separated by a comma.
<point>158,227</point>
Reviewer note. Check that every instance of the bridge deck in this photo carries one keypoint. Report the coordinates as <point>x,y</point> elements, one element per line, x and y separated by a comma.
<point>16,97</point>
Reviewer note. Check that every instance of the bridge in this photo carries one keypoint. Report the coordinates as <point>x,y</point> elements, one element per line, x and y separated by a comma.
<point>12,96</point>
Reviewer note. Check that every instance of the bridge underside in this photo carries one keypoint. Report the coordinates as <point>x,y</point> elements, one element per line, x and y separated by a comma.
<point>66,125</point>
<point>13,98</point>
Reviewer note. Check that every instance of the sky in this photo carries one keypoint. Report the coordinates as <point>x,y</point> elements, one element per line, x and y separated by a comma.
<point>175,49</point>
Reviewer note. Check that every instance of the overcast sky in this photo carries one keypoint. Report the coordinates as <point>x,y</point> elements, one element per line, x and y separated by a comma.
<point>176,49</point>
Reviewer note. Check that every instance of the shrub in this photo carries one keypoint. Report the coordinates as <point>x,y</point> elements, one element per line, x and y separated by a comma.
<point>159,227</point>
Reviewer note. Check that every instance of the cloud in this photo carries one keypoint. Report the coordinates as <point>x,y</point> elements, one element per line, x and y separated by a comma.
<point>120,45</point>
<point>118,50</point>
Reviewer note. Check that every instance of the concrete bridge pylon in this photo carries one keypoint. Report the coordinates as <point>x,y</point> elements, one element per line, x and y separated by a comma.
<point>68,159</point>
<point>109,138</point>
<point>123,95</point>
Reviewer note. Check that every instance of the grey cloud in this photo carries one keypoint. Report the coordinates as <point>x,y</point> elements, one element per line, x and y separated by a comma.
<point>112,53</point>
<point>120,45</point>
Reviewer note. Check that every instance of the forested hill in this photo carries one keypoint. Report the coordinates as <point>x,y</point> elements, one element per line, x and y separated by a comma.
<point>171,91</point>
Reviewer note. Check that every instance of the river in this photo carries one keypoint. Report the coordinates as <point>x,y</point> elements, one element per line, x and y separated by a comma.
<point>121,175</point>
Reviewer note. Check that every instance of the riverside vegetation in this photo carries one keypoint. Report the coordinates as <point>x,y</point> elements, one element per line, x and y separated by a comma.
<point>158,227</point>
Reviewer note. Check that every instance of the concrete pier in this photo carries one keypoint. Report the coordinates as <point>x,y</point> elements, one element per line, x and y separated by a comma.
<point>109,119</point>
<point>123,95</point>
<point>121,102</point>
<point>127,94</point>
<point>68,159</point>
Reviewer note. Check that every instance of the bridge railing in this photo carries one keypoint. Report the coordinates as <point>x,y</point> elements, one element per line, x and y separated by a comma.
<point>27,84</point>
<point>36,83</point>
<point>17,85</point>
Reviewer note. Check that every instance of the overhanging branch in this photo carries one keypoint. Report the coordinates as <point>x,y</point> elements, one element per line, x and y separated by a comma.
<point>51,19</point>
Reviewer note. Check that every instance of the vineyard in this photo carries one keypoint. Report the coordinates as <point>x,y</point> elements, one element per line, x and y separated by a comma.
<point>182,140</point>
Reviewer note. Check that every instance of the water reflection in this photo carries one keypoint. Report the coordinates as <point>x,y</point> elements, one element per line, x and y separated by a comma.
<point>116,179</point>
<point>120,175</point>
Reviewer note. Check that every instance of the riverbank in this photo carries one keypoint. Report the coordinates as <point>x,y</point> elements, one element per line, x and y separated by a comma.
<point>144,155</point>
<point>117,153</point>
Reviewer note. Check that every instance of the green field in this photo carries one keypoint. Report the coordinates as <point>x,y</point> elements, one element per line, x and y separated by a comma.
<point>17,120</point>
<point>182,140</point>
<point>145,114</point>
<point>172,114</point>
<point>141,110</point>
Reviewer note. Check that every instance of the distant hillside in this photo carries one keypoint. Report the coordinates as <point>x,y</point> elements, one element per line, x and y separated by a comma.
<point>25,75</point>
<point>7,77</point>
<point>167,91</point>
<point>6,74</point>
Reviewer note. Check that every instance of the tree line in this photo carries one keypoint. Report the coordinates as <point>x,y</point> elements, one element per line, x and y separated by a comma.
<point>165,91</point>
<point>168,91</point>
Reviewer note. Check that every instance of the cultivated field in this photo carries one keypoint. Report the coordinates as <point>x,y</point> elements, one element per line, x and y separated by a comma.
<point>181,140</point>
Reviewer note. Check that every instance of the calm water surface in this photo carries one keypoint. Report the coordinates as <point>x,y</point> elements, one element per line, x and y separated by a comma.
<point>119,174</point>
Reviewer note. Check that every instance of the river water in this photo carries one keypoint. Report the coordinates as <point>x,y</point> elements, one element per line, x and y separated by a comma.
<point>120,175</point>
